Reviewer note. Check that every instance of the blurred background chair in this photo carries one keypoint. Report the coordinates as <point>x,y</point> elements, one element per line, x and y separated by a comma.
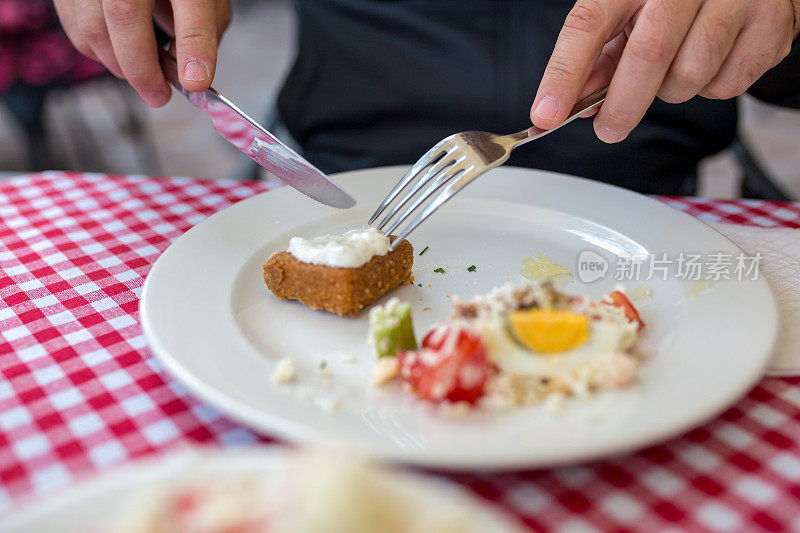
<point>755,182</point>
<point>113,137</point>
<point>763,162</point>
<point>65,110</point>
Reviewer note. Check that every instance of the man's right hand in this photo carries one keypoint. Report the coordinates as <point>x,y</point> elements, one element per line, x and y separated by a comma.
<point>119,34</point>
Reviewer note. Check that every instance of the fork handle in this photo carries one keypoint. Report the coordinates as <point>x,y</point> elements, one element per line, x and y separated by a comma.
<point>589,103</point>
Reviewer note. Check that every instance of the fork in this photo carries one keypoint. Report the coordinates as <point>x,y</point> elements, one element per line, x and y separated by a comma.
<point>453,163</point>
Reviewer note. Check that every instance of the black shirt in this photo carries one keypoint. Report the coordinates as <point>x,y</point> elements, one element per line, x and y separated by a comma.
<point>377,82</point>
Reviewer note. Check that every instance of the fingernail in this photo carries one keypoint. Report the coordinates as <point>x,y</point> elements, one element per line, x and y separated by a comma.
<point>155,98</point>
<point>195,71</point>
<point>608,136</point>
<point>546,108</point>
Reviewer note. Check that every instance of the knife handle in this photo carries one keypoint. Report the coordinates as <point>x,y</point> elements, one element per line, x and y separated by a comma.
<point>170,68</point>
<point>168,64</point>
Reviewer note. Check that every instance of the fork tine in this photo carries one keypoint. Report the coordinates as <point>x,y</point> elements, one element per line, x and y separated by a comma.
<point>443,196</point>
<point>433,155</point>
<point>447,174</point>
<point>434,172</point>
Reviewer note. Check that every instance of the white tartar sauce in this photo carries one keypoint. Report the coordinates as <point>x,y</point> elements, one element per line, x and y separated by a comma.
<point>350,250</point>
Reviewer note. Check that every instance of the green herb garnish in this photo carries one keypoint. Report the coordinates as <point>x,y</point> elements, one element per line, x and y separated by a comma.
<point>423,250</point>
<point>323,365</point>
<point>471,268</point>
<point>419,284</point>
<point>439,270</point>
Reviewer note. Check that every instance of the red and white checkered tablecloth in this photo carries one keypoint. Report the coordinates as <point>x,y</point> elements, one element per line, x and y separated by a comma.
<point>81,392</point>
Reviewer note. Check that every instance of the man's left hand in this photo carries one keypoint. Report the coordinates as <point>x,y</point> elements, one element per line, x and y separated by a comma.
<point>673,49</point>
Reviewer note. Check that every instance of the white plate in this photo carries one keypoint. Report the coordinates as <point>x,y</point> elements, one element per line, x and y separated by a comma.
<point>98,503</point>
<point>211,320</point>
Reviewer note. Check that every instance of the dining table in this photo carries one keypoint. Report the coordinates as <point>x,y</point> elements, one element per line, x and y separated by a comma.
<point>82,393</point>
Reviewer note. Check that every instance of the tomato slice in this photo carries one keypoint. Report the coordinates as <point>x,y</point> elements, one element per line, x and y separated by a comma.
<point>452,365</point>
<point>619,299</point>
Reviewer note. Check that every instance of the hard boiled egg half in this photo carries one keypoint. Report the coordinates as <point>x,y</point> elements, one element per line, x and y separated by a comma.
<point>545,341</point>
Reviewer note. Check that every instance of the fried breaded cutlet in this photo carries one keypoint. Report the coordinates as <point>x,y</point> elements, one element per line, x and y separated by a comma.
<point>344,291</point>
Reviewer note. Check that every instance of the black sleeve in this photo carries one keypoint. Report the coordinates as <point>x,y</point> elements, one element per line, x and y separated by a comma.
<point>781,84</point>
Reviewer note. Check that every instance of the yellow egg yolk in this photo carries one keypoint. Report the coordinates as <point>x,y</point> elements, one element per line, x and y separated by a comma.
<point>549,330</point>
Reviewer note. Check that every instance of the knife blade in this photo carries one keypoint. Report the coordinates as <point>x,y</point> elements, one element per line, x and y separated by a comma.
<point>257,143</point>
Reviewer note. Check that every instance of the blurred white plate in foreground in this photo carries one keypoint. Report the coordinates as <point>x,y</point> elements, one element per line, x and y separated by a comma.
<point>114,500</point>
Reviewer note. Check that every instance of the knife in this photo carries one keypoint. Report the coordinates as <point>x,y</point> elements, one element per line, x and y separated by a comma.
<point>257,143</point>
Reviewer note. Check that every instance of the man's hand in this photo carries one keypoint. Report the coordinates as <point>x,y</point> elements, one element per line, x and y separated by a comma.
<point>119,34</point>
<point>673,49</point>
